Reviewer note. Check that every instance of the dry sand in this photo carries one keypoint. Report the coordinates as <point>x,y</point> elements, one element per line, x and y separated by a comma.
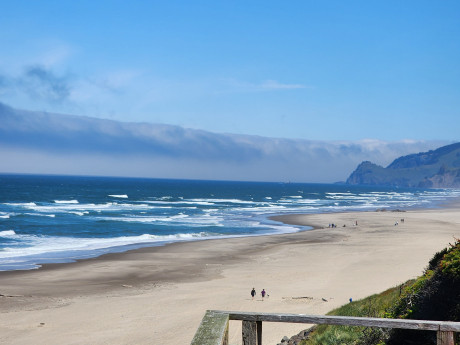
<point>159,295</point>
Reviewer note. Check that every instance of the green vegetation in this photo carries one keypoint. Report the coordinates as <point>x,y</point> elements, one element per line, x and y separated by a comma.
<point>372,306</point>
<point>433,296</point>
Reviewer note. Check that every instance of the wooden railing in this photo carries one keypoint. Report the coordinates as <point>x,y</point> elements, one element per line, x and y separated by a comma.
<point>213,329</point>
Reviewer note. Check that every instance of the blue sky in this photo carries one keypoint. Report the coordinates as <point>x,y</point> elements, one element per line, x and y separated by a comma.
<point>314,70</point>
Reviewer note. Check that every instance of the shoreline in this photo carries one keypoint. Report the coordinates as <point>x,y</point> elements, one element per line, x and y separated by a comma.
<point>293,219</point>
<point>285,225</point>
<point>174,273</point>
<point>79,245</point>
<point>152,294</point>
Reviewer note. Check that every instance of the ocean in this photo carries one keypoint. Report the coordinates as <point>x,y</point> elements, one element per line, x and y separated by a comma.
<point>57,219</point>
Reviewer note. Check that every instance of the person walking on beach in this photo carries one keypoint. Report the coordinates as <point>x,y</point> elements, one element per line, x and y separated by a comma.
<point>253,293</point>
<point>263,294</point>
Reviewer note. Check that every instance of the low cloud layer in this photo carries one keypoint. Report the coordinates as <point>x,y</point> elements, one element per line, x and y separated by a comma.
<point>37,142</point>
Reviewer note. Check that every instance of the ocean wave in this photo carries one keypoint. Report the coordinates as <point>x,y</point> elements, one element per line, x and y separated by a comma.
<point>70,208</point>
<point>301,201</point>
<point>7,233</point>
<point>339,193</point>
<point>50,215</point>
<point>262,209</point>
<point>40,245</point>
<point>122,196</point>
<point>66,201</point>
<point>180,202</point>
<point>158,202</point>
<point>201,203</point>
<point>79,213</point>
<point>4,215</point>
<point>21,204</point>
<point>179,220</point>
<point>213,201</point>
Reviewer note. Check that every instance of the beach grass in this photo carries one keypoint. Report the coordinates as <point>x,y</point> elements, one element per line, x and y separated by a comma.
<point>376,305</point>
<point>432,296</point>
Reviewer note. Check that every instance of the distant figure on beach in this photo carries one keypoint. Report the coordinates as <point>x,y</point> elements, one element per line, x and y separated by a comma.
<point>253,293</point>
<point>263,293</point>
<point>351,300</point>
<point>356,223</point>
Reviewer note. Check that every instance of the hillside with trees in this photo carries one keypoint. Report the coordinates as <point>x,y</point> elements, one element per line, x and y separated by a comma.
<point>439,168</point>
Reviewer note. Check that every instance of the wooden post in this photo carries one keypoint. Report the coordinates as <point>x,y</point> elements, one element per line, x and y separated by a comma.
<point>445,338</point>
<point>213,330</point>
<point>259,332</point>
<point>225,340</point>
<point>252,332</point>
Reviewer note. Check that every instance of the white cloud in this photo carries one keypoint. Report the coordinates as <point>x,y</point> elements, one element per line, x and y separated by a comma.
<point>234,85</point>
<point>275,85</point>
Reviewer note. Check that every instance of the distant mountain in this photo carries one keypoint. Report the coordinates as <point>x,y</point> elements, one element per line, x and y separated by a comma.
<point>433,169</point>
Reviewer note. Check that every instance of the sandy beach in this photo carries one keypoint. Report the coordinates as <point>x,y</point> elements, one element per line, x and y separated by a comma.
<point>159,295</point>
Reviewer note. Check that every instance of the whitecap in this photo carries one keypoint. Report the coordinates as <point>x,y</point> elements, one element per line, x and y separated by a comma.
<point>201,203</point>
<point>66,208</point>
<point>21,204</point>
<point>7,233</point>
<point>53,244</point>
<point>66,201</point>
<point>212,201</point>
<point>79,213</point>
<point>123,196</point>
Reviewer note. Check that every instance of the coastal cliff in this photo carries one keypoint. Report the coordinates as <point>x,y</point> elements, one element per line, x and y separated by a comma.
<point>439,168</point>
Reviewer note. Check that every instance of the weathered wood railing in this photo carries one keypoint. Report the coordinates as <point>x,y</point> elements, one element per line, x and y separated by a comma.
<point>213,329</point>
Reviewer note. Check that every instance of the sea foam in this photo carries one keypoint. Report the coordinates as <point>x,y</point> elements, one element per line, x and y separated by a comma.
<point>39,245</point>
<point>7,233</point>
